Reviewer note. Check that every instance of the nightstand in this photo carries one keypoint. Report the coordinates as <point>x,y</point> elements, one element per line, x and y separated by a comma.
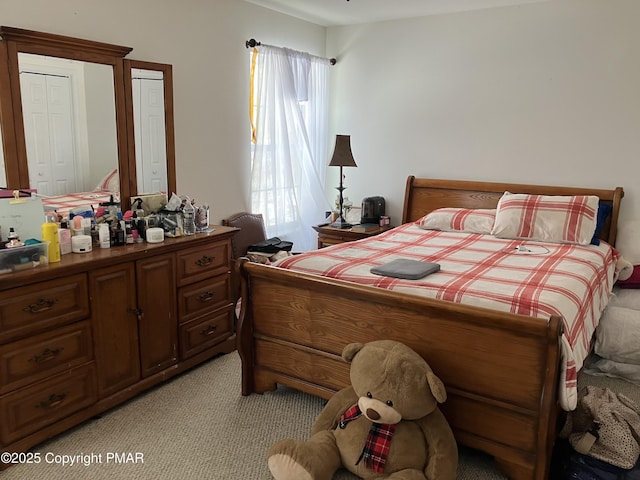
<point>332,236</point>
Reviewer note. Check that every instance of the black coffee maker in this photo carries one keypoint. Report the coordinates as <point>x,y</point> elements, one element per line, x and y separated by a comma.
<point>372,210</point>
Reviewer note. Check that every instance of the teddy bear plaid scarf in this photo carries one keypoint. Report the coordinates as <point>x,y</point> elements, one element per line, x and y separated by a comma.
<point>378,441</point>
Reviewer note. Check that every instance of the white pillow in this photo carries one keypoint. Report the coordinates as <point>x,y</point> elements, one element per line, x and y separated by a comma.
<point>609,368</point>
<point>628,240</point>
<point>618,335</point>
<point>470,220</point>
<point>625,298</point>
<point>547,218</point>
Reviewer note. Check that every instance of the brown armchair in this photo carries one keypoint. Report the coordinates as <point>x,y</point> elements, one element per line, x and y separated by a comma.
<point>251,231</point>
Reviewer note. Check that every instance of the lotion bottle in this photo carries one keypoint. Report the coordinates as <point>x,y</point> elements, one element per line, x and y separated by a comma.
<point>50,234</point>
<point>104,236</point>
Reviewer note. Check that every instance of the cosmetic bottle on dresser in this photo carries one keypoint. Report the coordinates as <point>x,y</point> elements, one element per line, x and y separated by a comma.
<point>104,235</point>
<point>117,232</point>
<point>142,229</point>
<point>76,226</point>
<point>64,238</point>
<point>50,234</point>
<point>12,235</point>
<point>188,218</point>
<point>134,228</point>
<point>128,232</point>
<point>13,240</point>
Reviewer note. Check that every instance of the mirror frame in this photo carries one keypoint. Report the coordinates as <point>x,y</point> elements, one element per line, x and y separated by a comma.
<point>167,75</point>
<point>16,40</point>
<point>12,178</point>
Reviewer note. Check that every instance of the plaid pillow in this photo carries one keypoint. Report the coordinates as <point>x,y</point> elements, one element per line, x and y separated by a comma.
<point>110,182</point>
<point>557,219</point>
<point>468,220</point>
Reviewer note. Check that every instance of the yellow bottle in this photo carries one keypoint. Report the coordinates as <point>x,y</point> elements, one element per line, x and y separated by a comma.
<point>50,234</point>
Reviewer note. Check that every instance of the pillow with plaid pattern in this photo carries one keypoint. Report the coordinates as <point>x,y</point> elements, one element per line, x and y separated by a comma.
<point>547,218</point>
<point>110,182</point>
<point>470,220</point>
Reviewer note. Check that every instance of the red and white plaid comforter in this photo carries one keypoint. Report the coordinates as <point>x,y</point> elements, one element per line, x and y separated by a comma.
<point>571,281</point>
<point>63,204</point>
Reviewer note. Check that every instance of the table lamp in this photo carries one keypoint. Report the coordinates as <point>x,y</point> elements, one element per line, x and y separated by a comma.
<point>342,157</point>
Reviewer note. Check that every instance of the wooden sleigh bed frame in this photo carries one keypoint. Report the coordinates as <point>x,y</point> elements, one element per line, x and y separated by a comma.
<point>500,369</point>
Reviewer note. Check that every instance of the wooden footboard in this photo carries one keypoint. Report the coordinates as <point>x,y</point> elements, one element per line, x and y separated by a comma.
<point>500,370</point>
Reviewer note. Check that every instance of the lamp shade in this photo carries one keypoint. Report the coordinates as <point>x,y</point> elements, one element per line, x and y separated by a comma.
<point>342,156</point>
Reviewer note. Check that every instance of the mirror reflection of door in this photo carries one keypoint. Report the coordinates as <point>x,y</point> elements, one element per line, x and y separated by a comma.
<point>149,129</point>
<point>47,107</point>
<point>69,123</point>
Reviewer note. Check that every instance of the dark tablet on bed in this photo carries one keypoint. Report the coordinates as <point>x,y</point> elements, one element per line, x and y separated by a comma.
<point>406,268</point>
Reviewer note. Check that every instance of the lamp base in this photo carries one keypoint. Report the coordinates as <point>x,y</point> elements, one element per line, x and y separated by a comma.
<point>340,223</point>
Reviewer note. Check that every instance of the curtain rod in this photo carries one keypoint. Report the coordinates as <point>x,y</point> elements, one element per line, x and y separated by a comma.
<point>254,43</point>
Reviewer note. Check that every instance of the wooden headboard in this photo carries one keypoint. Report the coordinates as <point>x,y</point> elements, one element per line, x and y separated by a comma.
<point>423,195</point>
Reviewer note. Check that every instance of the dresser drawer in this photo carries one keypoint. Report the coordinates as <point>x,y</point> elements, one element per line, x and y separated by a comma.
<point>38,357</point>
<point>202,262</point>
<point>30,409</point>
<point>204,296</point>
<point>40,306</point>
<point>205,332</point>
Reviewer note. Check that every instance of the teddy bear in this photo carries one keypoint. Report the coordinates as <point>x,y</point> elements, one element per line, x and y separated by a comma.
<point>385,425</point>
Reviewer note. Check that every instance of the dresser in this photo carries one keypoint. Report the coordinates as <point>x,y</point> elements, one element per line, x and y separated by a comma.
<point>82,335</point>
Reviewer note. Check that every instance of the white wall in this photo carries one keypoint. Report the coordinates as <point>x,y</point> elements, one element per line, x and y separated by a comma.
<point>204,40</point>
<point>543,93</point>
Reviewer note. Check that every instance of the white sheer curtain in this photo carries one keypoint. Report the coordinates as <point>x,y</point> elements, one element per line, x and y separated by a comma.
<point>290,127</point>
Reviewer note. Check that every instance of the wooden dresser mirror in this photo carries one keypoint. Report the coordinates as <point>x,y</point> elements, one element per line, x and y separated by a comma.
<point>69,118</point>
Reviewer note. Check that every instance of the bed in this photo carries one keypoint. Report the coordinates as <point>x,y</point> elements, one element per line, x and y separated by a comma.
<point>63,204</point>
<point>501,369</point>
<point>105,191</point>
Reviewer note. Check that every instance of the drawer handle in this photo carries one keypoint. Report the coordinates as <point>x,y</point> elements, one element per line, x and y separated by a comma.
<point>41,305</point>
<point>46,355</point>
<point>206,296</point>
<point>53,401</point>
<point>211,329</point>
<point>205,260</point>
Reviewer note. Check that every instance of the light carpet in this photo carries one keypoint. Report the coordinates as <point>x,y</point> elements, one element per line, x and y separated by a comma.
<point>196,426</point>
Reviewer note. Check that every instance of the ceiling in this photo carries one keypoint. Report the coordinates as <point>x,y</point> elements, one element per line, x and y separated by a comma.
<point>351,12</point>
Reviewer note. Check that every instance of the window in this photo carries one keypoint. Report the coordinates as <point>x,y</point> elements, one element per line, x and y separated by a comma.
<point>289,110</point>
